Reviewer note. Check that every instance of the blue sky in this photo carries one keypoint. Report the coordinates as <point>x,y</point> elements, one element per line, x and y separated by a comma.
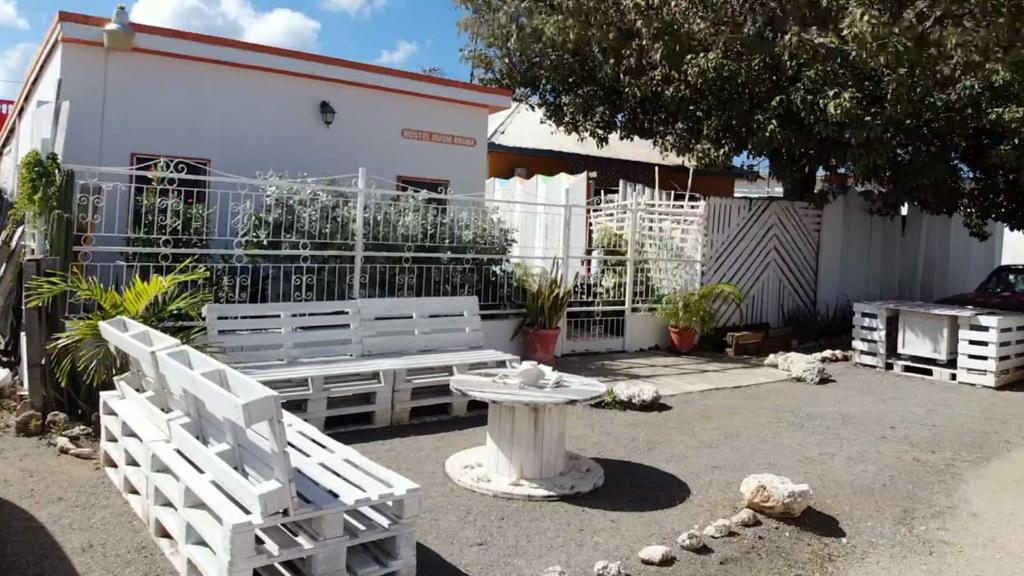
<point>406,34</point>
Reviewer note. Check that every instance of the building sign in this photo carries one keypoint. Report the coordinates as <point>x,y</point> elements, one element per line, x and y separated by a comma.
<point>438,138</point>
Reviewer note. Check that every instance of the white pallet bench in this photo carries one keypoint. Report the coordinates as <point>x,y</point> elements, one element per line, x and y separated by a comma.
<point>874,333</point>
<point>449,329</point>
<point>231,484</point>
<point>991,350</point>
<point>395,356</point>
<point>279,339</point>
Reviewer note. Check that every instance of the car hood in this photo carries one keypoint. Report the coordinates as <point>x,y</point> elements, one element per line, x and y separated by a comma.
<point>996,300</point>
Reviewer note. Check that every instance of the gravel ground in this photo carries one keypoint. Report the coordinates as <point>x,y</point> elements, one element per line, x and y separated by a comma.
<point>910,477</point>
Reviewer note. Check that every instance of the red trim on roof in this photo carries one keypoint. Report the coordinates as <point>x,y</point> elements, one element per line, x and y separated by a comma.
<point>290,73</point>
<point>284,52</point>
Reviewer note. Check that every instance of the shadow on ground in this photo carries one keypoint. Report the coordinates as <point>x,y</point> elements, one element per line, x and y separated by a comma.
<point>27,548</point>
<point>430,562</point>
<point>412,430</point>
<point>634,487</point>
<point>817,522</point>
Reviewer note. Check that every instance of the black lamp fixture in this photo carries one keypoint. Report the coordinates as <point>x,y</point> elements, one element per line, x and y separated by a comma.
<point>327,113</point>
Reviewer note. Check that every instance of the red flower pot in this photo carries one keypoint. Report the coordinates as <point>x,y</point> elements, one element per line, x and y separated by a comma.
<point>683,339</point>
<point>541,344</point>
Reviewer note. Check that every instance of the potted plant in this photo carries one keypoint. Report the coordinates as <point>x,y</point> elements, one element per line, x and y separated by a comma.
<point>689,314</point>
<point>547,297</point>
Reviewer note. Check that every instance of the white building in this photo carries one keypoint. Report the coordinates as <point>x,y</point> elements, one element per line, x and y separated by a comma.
<point>242,108</point>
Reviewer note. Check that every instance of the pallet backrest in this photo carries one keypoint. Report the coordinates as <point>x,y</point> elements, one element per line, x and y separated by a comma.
<point>284,332</point>
<point>234,429</point>
<point>403,325</point>
<point>140,344</point>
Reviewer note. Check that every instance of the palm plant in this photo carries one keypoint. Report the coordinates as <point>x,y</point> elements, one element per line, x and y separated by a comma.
<point>170,302</point>
<point>696,310</point>
<point>547,297</point>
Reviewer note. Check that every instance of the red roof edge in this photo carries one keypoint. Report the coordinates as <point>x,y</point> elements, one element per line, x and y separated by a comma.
<point>87,20</point>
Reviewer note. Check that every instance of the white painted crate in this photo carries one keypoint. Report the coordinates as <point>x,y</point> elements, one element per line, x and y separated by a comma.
<point>991,349</point>
<point>424,393</point>
<point>874,333</point>
<point>338,402</point>
<point>923,368</point>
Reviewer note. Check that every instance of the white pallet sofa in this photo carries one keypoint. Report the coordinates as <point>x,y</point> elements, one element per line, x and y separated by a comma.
<point>230,484</point>
<point>389,358</point>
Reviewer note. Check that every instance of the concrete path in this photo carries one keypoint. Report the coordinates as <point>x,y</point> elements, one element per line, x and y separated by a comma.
<point>672,373</point>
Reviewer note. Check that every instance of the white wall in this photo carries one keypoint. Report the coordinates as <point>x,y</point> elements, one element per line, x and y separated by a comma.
<point>33,126</point>
<point>247,121</point>
<point>922,257</point>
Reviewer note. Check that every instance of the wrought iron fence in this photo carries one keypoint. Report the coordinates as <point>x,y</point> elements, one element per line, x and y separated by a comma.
<point>276,239</point>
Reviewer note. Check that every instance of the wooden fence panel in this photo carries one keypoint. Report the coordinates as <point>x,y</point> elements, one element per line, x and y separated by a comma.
<point>769,248</point>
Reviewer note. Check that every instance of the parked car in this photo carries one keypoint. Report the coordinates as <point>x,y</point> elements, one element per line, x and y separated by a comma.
<point>1003,289</point>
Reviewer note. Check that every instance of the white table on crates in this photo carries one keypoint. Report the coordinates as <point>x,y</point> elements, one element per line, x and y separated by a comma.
<point>525,455</point>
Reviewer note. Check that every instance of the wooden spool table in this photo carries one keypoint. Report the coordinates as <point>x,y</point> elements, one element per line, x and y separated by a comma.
<point>525,455</point>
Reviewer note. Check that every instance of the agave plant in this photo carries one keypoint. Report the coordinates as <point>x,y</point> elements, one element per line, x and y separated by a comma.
<point>170,302</point>
<point>547,296</point>
<point>696,309</point>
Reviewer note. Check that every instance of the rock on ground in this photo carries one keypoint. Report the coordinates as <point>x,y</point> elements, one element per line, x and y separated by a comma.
<point>606,568</point>
<point>656,555</point>
<point>64,445</point>
<point>831,356</point>
<point>690,541</point>
<point>29,423</point>
<point>719,528</point>
<point>553,571</point>
<point>637,395</point>
<point>775,496</point>
<point>57,420</point>
<point>77,433</point>
<point>812,372</point>
<point>83,453</point>
<point>745,518</point>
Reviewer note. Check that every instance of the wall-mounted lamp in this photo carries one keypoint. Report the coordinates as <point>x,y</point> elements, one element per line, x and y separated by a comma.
<point>327,113</point>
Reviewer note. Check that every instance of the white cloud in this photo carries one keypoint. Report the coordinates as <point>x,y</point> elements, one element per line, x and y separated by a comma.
<point>9,15</point>
<point>398,55</point>
<point>282,27</point>
<point>354,7</point>
<point>14,63</point>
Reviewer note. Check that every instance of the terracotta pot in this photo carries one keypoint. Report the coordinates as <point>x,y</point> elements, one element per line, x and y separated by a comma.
<point>683,339</point>
<point>541,344</point>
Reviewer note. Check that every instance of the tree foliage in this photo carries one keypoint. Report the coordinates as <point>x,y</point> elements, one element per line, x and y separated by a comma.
<point>921,101</point>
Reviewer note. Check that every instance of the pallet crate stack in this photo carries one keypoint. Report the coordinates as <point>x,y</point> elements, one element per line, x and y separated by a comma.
<point>991,350</point>
<point>231,485</point>
<point>874,333</point>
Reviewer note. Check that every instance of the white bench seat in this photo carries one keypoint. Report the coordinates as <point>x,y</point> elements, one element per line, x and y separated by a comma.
<point>270,373</point>
<point>380,358</point>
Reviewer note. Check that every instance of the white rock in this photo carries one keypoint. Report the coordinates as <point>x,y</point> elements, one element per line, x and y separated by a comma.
<point>553,571</point>
<point>83,453</point>
<point>745,518</point>
<point>772,360</point>
<point>690,541</point>
<point>656,555</point>
<point>637,395</point>
<point>606,568</point>
<point>65,445</point>
<point>719,528</point>
<point>788,360</point>
<point>56,421</point>
<point>775,495</point>
<point>812,372</point>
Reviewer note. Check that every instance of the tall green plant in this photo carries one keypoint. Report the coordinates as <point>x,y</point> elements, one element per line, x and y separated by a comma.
<point>696,309</point>
<point>547,296</point>
<point>172,303</point>
<point>41,183</point>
